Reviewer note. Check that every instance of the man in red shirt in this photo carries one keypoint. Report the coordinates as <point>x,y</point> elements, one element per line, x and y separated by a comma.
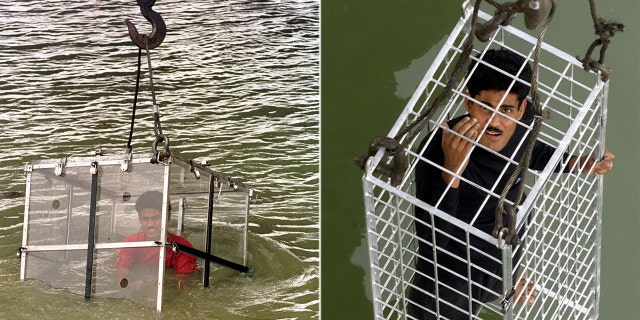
<point>149,208</point>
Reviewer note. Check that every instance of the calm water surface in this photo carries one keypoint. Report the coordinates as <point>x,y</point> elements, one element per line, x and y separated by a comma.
<point>237,83</point>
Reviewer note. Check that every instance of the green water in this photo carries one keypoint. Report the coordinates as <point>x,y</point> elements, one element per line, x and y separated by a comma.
<point>373,53</point>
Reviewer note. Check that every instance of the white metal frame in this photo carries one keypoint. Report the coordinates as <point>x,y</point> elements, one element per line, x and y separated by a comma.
<point>123,161</point>
<point>389,209</point>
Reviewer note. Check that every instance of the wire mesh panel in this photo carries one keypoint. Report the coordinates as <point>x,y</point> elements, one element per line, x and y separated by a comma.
<point>230,204</point>
<point>126,226</point>
<point>57,221</point>
<point>120,234</point>
<point>433,245</point>
<point>67,212</point>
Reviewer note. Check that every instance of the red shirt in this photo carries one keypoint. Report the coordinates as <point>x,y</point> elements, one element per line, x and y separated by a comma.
<point>181,262</point>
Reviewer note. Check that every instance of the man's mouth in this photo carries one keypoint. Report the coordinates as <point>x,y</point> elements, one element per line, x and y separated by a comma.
<point>151,230</point>
<point>493,131</point>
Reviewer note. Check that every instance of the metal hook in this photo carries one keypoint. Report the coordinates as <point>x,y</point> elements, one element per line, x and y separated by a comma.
<point>158,31</point>
<point>535,12</point>
<point>394,149</point>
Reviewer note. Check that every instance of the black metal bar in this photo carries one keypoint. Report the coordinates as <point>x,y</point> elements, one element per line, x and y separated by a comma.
<point>91,244</point>
<point>209,257</point>
<point>207,245</point>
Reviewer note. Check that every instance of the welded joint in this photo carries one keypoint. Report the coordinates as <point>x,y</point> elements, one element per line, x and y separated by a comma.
<point>28,168</point>
<point>124,166</point>
<point>94,167</point>
<point>253,194</point>
<point>59,169</point>
<point>194,170</point>
<point>232,184</point>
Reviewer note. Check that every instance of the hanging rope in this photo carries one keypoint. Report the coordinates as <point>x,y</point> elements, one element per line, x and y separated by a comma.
<point>148,42</point>
<point>157,127</point>
<point>135,100</point>
<point>604,29</point>
<point>520,171</point>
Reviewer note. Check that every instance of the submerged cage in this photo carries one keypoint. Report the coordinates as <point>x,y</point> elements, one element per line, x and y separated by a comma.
<point>559,221</point>
<point>78,212</point>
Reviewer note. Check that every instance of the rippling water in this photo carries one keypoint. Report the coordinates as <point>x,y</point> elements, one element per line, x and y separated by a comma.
<point>237,85</point>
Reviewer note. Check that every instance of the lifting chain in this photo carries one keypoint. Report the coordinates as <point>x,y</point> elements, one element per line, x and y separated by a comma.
<point>148,42</point>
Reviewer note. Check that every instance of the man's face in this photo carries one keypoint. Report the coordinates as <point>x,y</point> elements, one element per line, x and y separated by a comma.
<point>151,222</point>
<point>500,129</point>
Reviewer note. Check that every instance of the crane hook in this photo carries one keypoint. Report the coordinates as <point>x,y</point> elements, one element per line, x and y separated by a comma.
<point>158,31</point>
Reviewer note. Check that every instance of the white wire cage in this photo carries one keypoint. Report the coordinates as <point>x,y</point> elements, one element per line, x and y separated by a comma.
<point>81,211</point>
<point>558,221</point>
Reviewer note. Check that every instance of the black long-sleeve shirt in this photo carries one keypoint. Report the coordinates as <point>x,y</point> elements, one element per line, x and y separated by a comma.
<point>484,169</point>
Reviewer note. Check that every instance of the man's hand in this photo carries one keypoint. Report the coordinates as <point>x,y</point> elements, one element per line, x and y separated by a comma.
<point>590,165</point>
<point>456,149</point>
<point>605,164</point>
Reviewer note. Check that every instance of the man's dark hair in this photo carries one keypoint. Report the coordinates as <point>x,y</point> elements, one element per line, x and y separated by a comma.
<point>149,199</point>
<point>486,78</point>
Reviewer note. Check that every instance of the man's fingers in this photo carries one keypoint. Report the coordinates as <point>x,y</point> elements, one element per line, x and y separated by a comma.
<point>467,127</point>
<point>608,156</point>
<point>605,164</point>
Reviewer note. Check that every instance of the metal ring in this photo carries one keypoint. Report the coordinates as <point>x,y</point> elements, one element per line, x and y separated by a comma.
<point>159,156</point>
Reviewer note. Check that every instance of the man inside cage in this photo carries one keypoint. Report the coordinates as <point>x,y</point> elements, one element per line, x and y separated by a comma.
<point>494,100</point>
<point>149,208</point>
